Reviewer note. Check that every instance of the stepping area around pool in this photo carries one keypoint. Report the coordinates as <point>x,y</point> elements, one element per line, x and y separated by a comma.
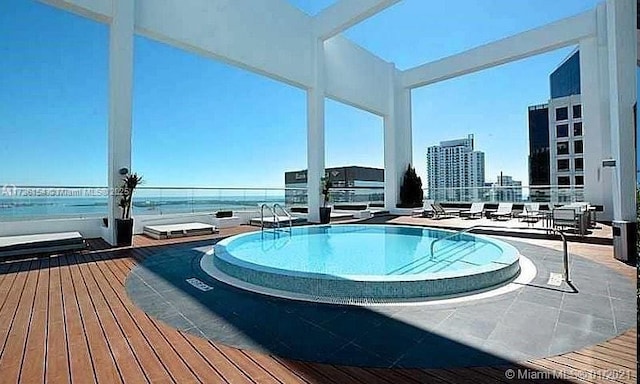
<point>535,321</point>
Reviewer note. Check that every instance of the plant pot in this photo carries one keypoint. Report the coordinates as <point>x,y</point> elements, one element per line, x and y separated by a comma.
<point>325,215</point>
<point>124,232</point>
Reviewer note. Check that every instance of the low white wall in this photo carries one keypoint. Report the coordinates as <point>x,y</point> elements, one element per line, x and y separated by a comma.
<point>93,228</point>
<point>88,227</point>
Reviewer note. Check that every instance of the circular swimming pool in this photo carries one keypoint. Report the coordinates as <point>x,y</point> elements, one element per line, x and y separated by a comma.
<point>364,262</point>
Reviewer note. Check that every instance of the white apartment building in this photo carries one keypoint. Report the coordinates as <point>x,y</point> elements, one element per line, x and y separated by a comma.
<point>504,189</point>
<point>455,171</point>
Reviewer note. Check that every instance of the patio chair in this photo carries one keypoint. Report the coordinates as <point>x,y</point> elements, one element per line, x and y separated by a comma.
<point>441,213</point>
<point>425,211</point>
<point>567,217</point>
<point>531,213</point>
<point>474,212</point>
<point>504,212</point>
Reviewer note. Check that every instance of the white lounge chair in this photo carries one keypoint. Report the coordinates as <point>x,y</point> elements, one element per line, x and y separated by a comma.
<point>531,213</point>
<point>42,243</point>
<point>475,210</point>
<point>504,211</point>
<point>426,210</point>
<point>441,213</point>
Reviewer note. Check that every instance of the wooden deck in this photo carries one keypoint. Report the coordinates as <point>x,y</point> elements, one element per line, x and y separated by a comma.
<point>68,319</point>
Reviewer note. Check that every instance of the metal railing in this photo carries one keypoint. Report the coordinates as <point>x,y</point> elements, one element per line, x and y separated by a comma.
<point>555,194</point>
<point>275,218</point>
<point>29,202</point>
<point>286,213</point>
<point>565,258</point>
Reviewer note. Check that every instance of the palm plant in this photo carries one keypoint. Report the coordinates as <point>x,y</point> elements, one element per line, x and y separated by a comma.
<point>129,184</point>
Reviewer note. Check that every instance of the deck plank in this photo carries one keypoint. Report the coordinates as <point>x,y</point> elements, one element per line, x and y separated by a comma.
<point>33,363</point>
<point>251,369</point>
<point>585,364</point>
<point>8,278</point>
<point>104,365</point>
<point>612,354</point>
<point>328,373</point>
<point>600,363</point>
<point>81,364</point>
<point>57,368</point>
<point>10,305</point>
<point>209,353</point>
<point>177,369</point>
<point>124,357</point>
<point>278,370</point>
<point>145,354</point>
<point>13,352</point>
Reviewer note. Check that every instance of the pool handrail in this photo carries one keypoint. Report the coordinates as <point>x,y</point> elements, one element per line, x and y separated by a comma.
<point>275,218</point>
<point>480,226</point>
<point>277,205</point>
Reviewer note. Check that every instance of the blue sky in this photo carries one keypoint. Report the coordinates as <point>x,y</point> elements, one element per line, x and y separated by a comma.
<point>198,122</point>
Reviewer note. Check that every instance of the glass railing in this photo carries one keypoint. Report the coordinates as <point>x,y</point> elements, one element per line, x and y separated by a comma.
<point>355,195</point>
<point>50,202</point>
<point>543,194</point>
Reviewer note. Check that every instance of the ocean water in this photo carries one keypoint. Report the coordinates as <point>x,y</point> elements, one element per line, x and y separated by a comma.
<point>39,207</point>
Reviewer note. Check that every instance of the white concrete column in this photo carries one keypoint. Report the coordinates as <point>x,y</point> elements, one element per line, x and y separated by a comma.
<point>315,134</point>
<point>121,32</point>
<point>622,49</point>
<point>397,139</point>
<point>594,84</point>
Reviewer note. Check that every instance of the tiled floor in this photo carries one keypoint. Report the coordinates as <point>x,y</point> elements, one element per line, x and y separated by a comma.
<point>482,332</point>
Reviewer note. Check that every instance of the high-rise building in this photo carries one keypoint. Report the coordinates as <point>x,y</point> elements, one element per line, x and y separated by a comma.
<point>353,183</point>
<point>556,134</point>
<point>455,171</point>
<point>539,169</point>
<point>565,125</point>
<point>505,189</point>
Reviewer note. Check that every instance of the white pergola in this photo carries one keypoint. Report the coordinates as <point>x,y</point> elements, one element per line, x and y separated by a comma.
<point>275,39</point>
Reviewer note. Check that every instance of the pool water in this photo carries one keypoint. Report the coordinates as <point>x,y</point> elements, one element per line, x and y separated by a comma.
<point>346,250</point>
<point>351,262</point>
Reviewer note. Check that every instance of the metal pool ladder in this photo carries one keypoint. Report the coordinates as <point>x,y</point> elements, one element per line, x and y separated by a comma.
<point>286,213</point>
<point>276,219</point>
<point>565,257</point>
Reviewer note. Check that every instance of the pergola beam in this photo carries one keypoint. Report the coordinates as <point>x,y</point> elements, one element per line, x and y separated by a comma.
<point>552,36</point>
<point>345,14</point>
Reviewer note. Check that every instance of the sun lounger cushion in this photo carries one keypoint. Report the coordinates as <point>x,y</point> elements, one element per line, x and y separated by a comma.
<point>178,230</point>
<point>40,243</point>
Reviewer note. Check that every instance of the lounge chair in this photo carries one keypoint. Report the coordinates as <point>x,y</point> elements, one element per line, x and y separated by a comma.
<point>44,243</point>
<point>475,211</point>
<point>504,211</point>
<point>425,211</point>
<point>569,217</point>
<point>531,213</point>
<point>441,213</point>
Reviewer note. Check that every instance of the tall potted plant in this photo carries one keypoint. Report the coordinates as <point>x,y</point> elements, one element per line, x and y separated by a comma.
<point>325,212</point>
<point>411,193</point>
<point>124,226</point>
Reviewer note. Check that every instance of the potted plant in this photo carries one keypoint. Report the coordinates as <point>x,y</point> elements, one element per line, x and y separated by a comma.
<point>411,194</point>
<point>325,212</point>
<point>124,226</point>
